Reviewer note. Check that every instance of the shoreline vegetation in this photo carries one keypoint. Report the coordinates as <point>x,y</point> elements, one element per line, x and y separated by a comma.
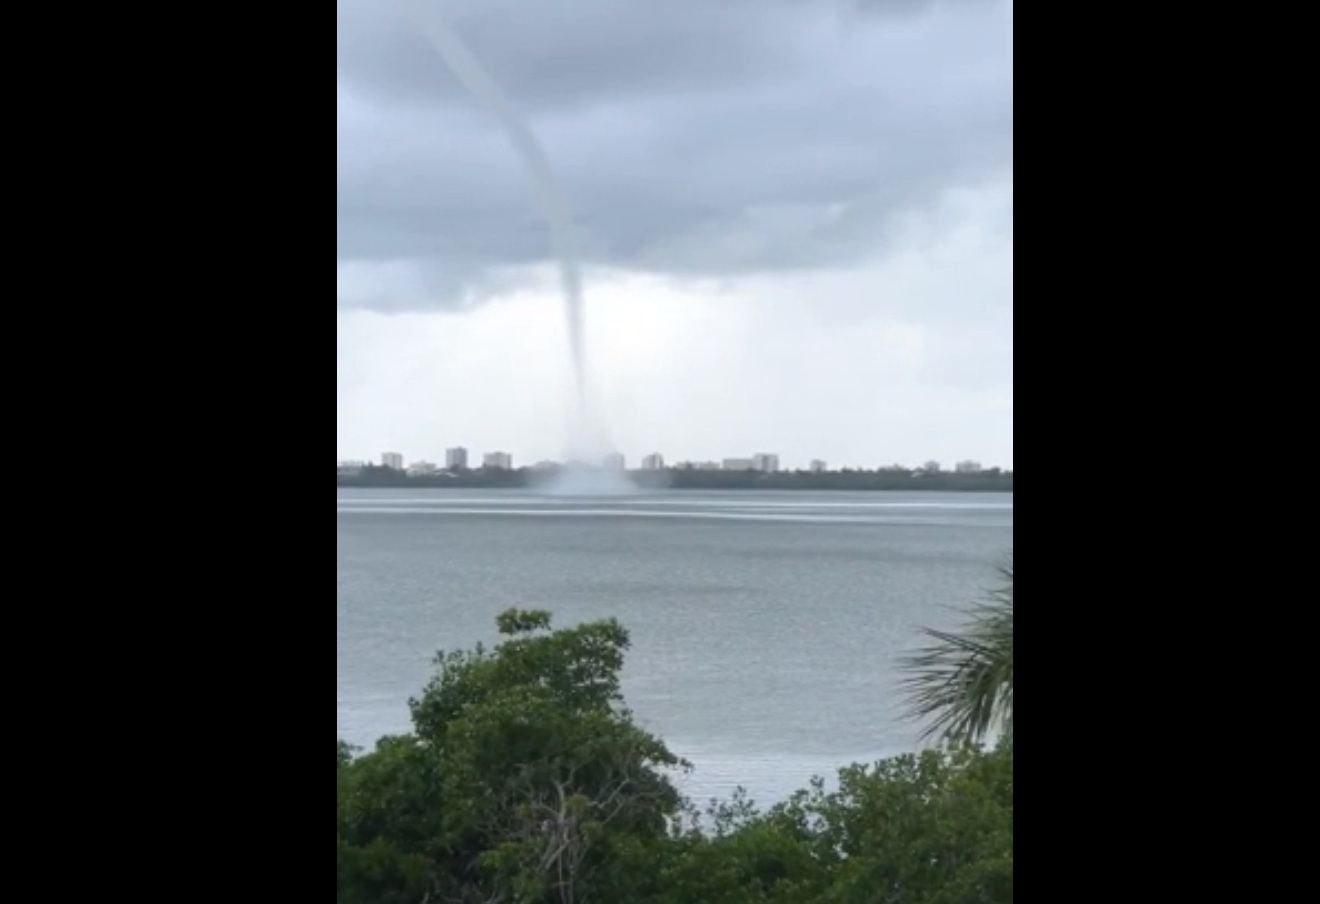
<point>526,780</point>
<point>993,480</point>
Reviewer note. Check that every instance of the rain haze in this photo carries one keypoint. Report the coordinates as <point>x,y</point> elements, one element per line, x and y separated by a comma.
<point>795,219</point>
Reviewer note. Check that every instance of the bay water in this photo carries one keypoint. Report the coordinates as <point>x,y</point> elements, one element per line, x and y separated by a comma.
<point>767,627</point>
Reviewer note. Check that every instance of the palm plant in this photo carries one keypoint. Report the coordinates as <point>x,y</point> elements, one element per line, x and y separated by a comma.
<point>962,682</point>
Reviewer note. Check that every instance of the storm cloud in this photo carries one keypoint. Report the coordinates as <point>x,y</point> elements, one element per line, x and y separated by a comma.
<point>694,138</point>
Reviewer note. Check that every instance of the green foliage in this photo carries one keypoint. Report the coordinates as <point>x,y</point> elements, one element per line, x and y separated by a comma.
<point>963,681</point>
<point>930,829</point>
<point>523,774</point>
<point>525,781</point>
<point>761,861</point>
<point>935,828</point>
<point>383,800</point>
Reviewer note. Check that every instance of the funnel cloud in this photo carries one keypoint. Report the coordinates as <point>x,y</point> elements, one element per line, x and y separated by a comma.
<point>585,429</point>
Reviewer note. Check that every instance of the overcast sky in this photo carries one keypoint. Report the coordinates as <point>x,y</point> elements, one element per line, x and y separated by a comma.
<point>796,218</point>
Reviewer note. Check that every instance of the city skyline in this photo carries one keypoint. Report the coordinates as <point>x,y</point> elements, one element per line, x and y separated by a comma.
<point>461,457</point>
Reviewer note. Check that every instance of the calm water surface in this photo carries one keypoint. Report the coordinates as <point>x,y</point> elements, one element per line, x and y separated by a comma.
<point>765,625</point>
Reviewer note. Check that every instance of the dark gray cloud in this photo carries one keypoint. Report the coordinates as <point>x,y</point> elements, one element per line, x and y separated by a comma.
<point>692,137</point>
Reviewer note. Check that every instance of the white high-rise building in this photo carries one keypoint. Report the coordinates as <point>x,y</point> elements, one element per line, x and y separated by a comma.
<point>968,467</point>
<point>653,462</point>
<point>497,461</point>
<point>818,466</point>
<point>456,459</point>
<point>392,460</point>
<point>766,462</point>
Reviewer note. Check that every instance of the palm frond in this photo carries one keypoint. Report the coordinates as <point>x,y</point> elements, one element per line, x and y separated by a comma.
<point>961,684</point>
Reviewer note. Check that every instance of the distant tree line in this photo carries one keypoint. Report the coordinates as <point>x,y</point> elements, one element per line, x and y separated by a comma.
<point>894,478</point>
<point>992,480</point>
<point>380,476</point>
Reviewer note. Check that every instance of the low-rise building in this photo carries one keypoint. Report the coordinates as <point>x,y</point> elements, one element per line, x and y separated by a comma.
<point>456,459</point>
<point>497,461</point>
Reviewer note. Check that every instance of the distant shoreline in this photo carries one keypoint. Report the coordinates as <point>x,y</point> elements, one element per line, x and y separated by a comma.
<point>890,480</point>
